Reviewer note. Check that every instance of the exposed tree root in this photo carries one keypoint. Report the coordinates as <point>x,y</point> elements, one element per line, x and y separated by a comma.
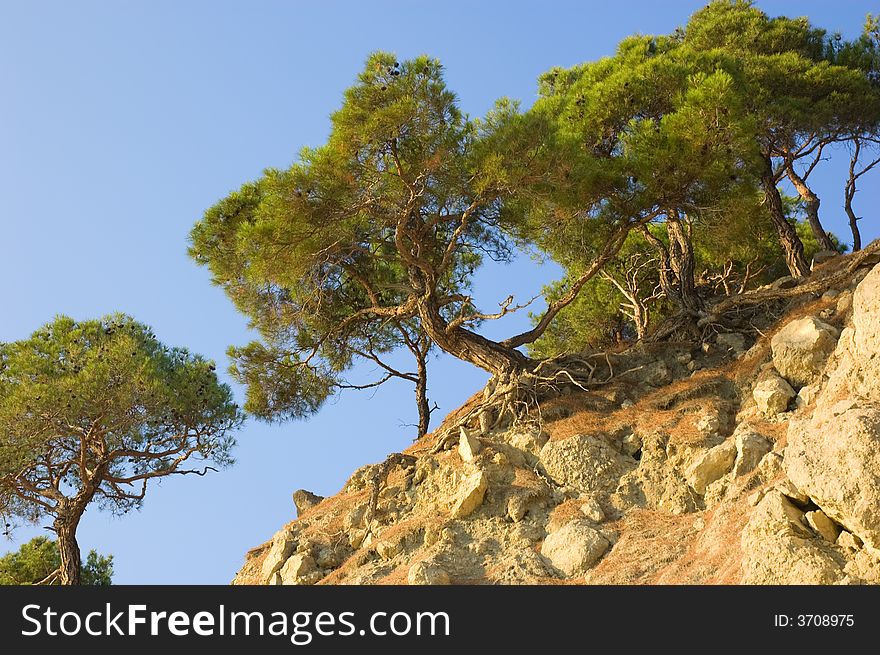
<point>516,398</point>
<point>817,285</point>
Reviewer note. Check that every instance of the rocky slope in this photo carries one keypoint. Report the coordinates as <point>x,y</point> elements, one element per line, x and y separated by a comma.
<point>732,461</point>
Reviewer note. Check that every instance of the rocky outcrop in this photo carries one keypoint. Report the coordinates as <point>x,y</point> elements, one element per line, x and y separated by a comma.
<point>698,464</point>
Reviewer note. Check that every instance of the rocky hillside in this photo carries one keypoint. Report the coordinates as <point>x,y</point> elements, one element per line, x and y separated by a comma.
<point>735,460</point>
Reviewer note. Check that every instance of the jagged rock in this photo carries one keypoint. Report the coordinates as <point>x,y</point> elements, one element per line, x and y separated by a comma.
<point>819,521</point>
<point>801,348</point>
<point>305,500</point>
<point>468,445</point>
<point>779,549</point>
<point>427,573</point>
<point>772,395</point>
<point>470,494</point>
<point>592,510</point>
<point>655,374</point>
<point>844,303</point>
<point>587,463</point>
<point>575,548</point>
<point>711,465</point>
<point>283,544</point>
<point>299,569</point>
<point>750,449</point>
<point>517,506</point>
<point>835,459</point>
<point>731,341</point>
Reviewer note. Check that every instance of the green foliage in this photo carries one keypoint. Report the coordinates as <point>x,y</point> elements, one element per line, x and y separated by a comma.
<point>96,408</point>
<point>39,557</point>
<point>321,256</point>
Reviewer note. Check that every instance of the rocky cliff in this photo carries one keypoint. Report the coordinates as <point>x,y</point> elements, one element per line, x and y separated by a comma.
<point>748,458</point>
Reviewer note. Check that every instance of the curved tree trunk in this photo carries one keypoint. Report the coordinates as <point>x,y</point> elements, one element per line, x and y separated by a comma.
<point>71,562</point>
<point>853,222</point>
<point>788,238</point>
<point>811,205</point>
<point>469,346</point>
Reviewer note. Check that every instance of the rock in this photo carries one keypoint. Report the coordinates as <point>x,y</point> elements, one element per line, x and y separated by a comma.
<point>656,374</point>
<point>530,442</point>
<point>468,445</point>
<point>755,497</point>
<point>831,294</point>
<point>751,447</point>
<point>517,506</point>
<point>305,500</point>
<point>708,424</point>
<point>357,537</point>
<point>801,348</point>
<point>820,522</point>
<point>586,463</point>
<point>779,549</point>
<point>282,546</point>
<point>823,256</point>
<point>574,548</point>
<point>787,282</point>
<point>772,395</point>
<point>789,490</point>
<point>835,459</point>
<point>470,494</point>
<point>807,395</point>
<point>731,341</point>
<point>631,444</point>
<point>844,303</point>
<point>592,510</point>
<point>770,466</point>
<point>387,550</point>
<point>711,465</point>
<point>427,573</point>
<point>848,541</point>
<point>300,569</point>
<point>693,366</point>
<point>355,518</point>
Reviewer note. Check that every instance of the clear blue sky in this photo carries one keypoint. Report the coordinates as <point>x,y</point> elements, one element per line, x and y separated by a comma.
<point>120,123</point>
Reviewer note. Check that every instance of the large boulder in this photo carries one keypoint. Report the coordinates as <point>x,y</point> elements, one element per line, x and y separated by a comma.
<point>801,348</point>
<point>834,458</point>
<point>586,463</point>
<point>575,548</point>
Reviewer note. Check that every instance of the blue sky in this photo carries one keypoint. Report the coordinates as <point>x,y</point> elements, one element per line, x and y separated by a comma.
<point>121,122</point>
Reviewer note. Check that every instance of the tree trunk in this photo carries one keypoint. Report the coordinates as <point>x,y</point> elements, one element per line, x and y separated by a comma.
<point>65,530</point>
<point>853,219</point>
<point>811,203</point>
<point>788,238</point>
<point>681,253</point>
<point>469,346</point>
<point>422,394</point>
